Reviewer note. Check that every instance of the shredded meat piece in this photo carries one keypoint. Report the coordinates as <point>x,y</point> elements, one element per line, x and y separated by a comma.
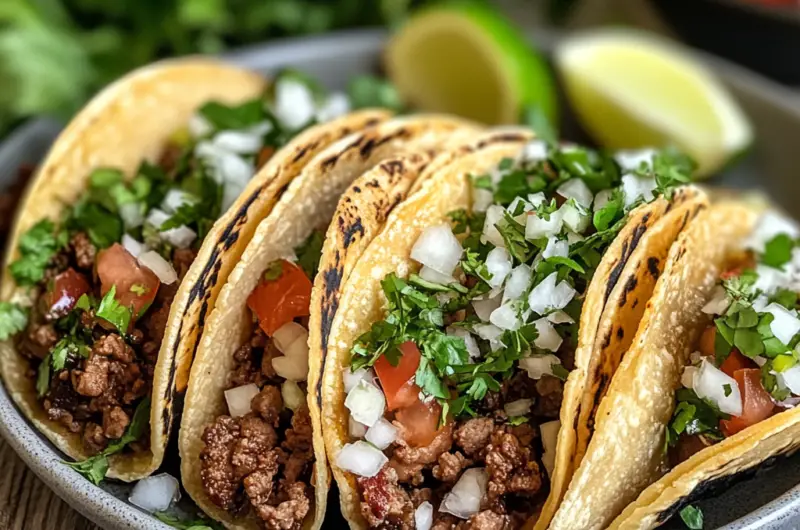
<point>486,520</point>
<point>44,335</point>
<point>420,495</point>
<point>290,513</point>
<point>85,251</point>
<point>270,352</point>
<point>525,433</point>
<point>299,442</point>
<point>182,259</point>
<point>268,404</point>
<point>115,421</point>
<point>444,521</point>
<point>217,471</point>
<point>510,466</point>
<point>408,473</point>
<point>259,483</point>
<point>114,346</point>
<point>385,502</point>
<point>450,466</point>
<point>473,435</point>
<point>254,361</point>
<point>93,439</point>
<point>551,391</point>
<point>427,454</point>
<point>93,381</point>
<point>257,438</point>
<point>64,418</point>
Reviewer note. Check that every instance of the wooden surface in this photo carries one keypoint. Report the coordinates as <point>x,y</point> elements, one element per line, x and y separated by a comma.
<point>27,504</point>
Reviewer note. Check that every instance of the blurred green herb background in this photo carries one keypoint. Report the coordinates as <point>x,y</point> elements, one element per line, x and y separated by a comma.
<point>55,53</point>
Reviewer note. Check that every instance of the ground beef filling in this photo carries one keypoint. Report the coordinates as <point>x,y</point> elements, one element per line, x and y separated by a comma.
<point>261,461</point>
<point>95,396</point>
<point>509,454</point>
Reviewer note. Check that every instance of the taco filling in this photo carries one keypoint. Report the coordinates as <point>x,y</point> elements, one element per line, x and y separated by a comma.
<point>746,366</point>
<point>454,397</point>
<point>259,457</point>
<point>103,277</point>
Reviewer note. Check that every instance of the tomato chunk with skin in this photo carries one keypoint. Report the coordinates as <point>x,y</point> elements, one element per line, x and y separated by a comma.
<point>735,362</point>
<point>67,288</point>
<point>707,340</point>
<point>136,286</point>
<point>279,301</point>
<point>420,422</point>
<point>757,404</point>
<point>398,381</point>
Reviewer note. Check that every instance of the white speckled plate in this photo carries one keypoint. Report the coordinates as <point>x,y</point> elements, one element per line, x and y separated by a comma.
<point>770,500</point>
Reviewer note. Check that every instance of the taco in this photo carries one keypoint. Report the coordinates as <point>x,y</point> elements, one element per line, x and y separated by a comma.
<point>709,390</point>
<point>251,454</point>
<point>107,281</point>
<point>446,358</point>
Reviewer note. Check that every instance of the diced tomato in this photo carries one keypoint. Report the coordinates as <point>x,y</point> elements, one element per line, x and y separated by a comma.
<point>687,446</point>
<point>63,295</point>
<point>420,422</point>
<point>279,301</point>
<point>136,285</point>
<point>707,341</point>
<point>397,381</point>
<point>756,402</point>
<point>733,273</point>
<point>735,362</point>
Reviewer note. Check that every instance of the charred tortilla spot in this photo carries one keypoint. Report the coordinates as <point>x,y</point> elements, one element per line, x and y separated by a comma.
<point>652,266</point>
<point>393,167</point>
<point>630,285</point>
<point>507,137</point>
<point>602,383</point>
<point>685,220</point>
<point>356,189</point>
<point>635,303</point>
<point>628,246</point>
<point>305,149</point>
<point>607,341</point>
<point>620,333</point>
<point>372,144</point>
<point>373,183</point>
<point>350,232</point>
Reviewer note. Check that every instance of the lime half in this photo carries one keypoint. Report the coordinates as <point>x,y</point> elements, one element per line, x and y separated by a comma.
<point>468,60</point>
<point>635,90</point>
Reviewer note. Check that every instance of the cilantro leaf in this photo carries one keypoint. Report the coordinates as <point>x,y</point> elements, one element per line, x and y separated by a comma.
<point>13,319</point>
<point>534,117</point>
<point>115,313</point>
<point>37,247</point>
<point>310,252</point>
<point>43,376</point>
<point>67,347</point>
<point>692,517</point>
<point>611,212</point>
<point>778,251</point>
<point>240,116</point>
<point>365,91</point>
<point>104,227</point>
<point>190,524</point>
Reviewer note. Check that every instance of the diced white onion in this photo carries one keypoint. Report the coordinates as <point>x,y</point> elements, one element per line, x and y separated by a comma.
<point>634,187</point>
<point>179,237</point>
<point>175,198</point>
<point>573,238</point>
<point>438,248</point>
<point>770,224</point>
<point>293,368</point>
<point>356,430</point>
<point>536,199</point>
<point>361,458</point>
<point>155,493</point>
<point>260,129</point>
<point>238,142</point>
<point>337,104</point>
<point>539,365</point>
<point>288,334</point>
<point>484,308</point>
<point>547,296</point>
<point>759,360</point>
<point>575,217</point>
<point>294,103</point>
<point>560,317</point>
<point>711,383</point>
<point>505,317</point>
<point>760,303</point>
<point>366,403</point>
<point>131,214</point>
<point>536,227</point>
<point>687,378</point>
<point>519,407</point>
<point>791,379</point>
<point>498,263</point>
<point>160,267</point>
<point>514,206</point>
<point>351,378</point>
<point>382,434</point>
<point>631,160</point>
<point>602,198</point>
<point>534,151</point>
<point>431,275</point>
<point>199,126</point>
<point>465,498</point>
<point>225,166</point>
<point>239,398</point>
<point>577,189</point>
<point>494,214</point>
<point>293,396</point>
<point>423,516</point>
<point>785,325</point>
<point>134,247</point>
<point>469,340</point>
<point>718,303</point>
<point>549,431</point>
<point>556,248</point>
<point>490,333</point>
<point>548,338</point>
<point>518,282</point>
<point>156,217</point>
<point>481,199</point>
<point>770,280</point>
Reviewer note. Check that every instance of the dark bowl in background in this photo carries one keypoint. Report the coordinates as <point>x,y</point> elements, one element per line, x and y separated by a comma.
<point>765,38</point>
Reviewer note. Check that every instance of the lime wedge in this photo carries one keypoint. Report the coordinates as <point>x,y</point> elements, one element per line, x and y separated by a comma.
<point>635,90</point>
<point>468,60</point>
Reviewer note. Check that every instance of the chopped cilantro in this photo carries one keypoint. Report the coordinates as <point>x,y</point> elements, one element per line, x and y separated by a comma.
<point>13,319</point>
<point>693,415</point>
<point>43,376</point>
<point>778,251</point>
<point>559,371</point>
<point>727,389</point>
<point>189,524</point>
<point>68,347</point>
<point>103,226</point>
<point>203,209</point>
<point>310,252</point>
<point>37,247</point>
<point>692,517</point>
<point>115,313</point>
<point>229,117</point>
<point>534,117</point>
<point>610,213</point>
<point>517,420</point>
<point>273,271</point>
<point>138,289</point>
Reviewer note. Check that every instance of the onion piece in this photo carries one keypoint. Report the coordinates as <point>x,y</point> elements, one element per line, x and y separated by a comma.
<point>423,516</point>
<point>556,248</point>
<point>602,198</point>
<point>498,263</point>
<point>718,303</point>
<point>632,160</point>
<point>285,335</point>
<point>155,493</point>
<point>175,198</point>
<point>239,398</point>
<point>484,308</point>
<point>366,403</point>
<point>179,237</point>
<point>575,217</point>
<point>576,188</point>
<point>430,275</point>
<point>548,338</point>
<point>481,199</point>
<point>351,378</point>
<point>382,434</point>
<point>537,227</point>
<point>238,142</point>
<point>547,296</point>
<point>514,206</point>
<point>134,247</point>
<point>760,303</point>
<point>361,458</point>
<point>549,432</point>
<point>199,126</point>
<point>534,151</point>
<point>337,104</point>
<point>494,214</point>
<point>539,365</point>
<point>490,333</point>
<point>712,383</point>
<point>518,282</point>
<point>634,187</point>
<point>687,378</point>
<point>294,103</point>
<point>785,325</point>
<point>465,498</point>
<point>438,248</point>
<point>294,368</point>
<point>469,341</point>
<point>519,407</point>
<point>769,225</point>
<point>536,199</point>
<point>770,279</point>
<point>131,214</point>
<point>560,317</point>
<point>160,267</point>
<point>355,429</point>
<point>156,217</point>
<point>506,317</point>
<point>790,379</point>
<point>293,396</point>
